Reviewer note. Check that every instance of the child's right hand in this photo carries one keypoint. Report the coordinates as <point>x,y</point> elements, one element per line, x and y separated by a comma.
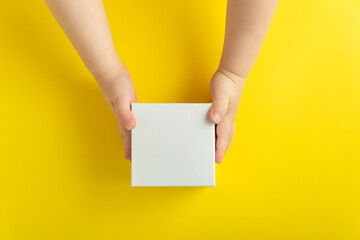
<point>118,90</point>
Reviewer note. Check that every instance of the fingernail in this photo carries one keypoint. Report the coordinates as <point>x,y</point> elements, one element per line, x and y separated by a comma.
<point>129,124</point>
<point>216,117</point>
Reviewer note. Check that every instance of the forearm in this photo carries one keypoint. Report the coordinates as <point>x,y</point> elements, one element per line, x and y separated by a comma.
<point>86,26</point>
<point>247,22</point>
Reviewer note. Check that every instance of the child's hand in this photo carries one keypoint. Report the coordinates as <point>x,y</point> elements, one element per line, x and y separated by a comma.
<point>225,90</point>
<point>119,93</point>
<point>86,26</point>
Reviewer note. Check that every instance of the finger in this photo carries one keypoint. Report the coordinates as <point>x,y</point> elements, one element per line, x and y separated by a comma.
<point>126,139</point>
<point>232,131</point>
<point>223,131</point>
<point>218,109</point>
<point>124,114</point>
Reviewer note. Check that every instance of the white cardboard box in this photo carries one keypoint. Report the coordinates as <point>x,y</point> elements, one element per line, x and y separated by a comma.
<point>172,145</point>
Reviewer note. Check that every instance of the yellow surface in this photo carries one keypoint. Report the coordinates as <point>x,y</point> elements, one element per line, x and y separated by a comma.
<point>293,171</point>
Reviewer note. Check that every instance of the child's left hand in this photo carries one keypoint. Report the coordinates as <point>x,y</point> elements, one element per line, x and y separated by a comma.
<point>225,90</point>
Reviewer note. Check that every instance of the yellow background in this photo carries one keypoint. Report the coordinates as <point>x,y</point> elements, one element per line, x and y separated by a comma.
<point>292,172</point>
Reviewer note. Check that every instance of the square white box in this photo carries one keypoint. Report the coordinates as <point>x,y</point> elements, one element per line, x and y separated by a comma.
<point>172,145</point>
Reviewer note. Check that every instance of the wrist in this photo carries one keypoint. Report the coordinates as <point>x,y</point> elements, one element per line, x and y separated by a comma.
<point>111,73</point>
<point>237,79</point>
<point>111,80</point>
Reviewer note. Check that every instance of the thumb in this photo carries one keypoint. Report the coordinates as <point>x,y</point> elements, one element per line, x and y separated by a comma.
<point>218,109</point>
<point>124,114</point>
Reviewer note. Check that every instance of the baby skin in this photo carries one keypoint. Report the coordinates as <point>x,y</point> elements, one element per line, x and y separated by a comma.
<point>247,21</point>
